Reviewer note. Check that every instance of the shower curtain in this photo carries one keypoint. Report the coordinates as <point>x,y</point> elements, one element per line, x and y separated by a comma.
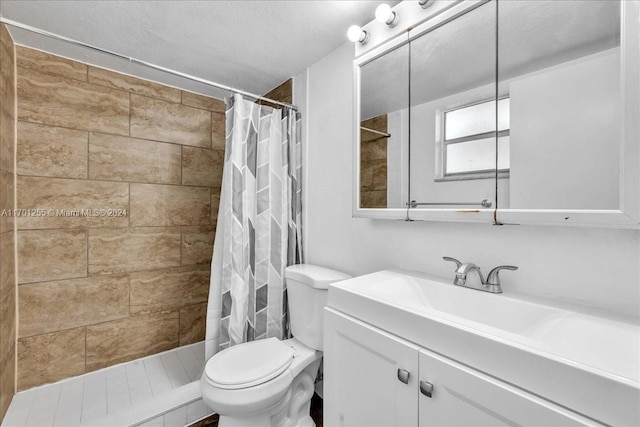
<point>259,230</point>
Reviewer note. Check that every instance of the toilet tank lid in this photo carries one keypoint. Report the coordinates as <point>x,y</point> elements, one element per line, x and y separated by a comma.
<point>314,276</point>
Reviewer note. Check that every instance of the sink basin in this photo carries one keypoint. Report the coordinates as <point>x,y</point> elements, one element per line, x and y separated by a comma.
<point>582,357</point>
<point>496,310</point>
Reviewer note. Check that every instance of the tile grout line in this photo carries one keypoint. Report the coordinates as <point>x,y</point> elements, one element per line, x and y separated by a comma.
<point>118,135</point>
<point>85,349</point>
<point>110,85</point>
<point>126,374</point>
<point>86,235</point>
<point>57,405</point>
<point>119,181</point>
<point>88,153</point>
<point>155,356</point>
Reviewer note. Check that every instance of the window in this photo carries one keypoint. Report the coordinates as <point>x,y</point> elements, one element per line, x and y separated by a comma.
<point>468,146</point>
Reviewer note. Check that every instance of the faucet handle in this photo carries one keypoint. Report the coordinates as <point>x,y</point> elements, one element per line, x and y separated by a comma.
<point>448,258</point>
<point>493,278</point>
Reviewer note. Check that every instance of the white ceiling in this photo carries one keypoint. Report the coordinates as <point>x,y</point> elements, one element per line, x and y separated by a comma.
<point>249,45</point>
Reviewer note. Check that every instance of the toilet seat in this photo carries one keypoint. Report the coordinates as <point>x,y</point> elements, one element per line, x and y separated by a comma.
<point>249,364</point>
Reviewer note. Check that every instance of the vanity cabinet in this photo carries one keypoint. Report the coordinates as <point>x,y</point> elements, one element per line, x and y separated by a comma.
<point>462,396</point>
<point>361,375</point>
<point>365,370</point>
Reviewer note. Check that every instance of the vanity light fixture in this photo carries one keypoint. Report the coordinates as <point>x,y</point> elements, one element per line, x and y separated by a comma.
<point>425,3</point>
<point>357,34</point>
<point>387,16</point>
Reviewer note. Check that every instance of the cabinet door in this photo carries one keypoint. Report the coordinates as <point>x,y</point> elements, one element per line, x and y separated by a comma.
<point>362,385</point>
<point>465,397</point>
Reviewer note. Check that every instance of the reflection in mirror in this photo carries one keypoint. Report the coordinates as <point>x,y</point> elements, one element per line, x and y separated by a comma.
<point>560,68</point>
<point>453,113</point>
<point>383,139</point>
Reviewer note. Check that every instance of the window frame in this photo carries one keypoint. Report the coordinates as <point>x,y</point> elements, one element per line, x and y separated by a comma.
<point>444,143</point>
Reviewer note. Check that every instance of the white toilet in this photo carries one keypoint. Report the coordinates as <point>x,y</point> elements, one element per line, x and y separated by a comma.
<point>271,382</point>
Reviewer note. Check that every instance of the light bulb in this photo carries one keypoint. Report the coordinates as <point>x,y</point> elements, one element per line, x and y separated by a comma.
<point>357,34</point>
<point>385,15</point>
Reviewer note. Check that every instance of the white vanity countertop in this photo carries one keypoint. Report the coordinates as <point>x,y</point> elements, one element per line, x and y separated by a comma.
<point>584,359</point>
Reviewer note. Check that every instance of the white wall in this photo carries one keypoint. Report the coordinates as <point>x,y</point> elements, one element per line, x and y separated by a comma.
<point>595,267</point>
<point>548,110</point>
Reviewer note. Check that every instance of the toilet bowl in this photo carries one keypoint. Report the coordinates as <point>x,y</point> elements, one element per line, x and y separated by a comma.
<point>270,382</point>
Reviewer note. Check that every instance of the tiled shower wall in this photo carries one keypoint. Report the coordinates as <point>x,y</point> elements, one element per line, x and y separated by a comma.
<point>120,181</point>
<point>282,93</point>
<point>373,163</point>
<point>7,226</point>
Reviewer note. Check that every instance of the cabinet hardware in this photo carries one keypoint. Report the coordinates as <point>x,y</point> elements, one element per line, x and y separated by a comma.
<point>403,375</point>
<point>426,388</point>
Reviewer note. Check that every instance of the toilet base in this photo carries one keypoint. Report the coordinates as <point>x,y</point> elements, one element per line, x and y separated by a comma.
<point>292,411</point>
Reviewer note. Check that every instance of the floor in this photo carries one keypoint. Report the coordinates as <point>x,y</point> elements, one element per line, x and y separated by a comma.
<point>159,390</point>
<point>316,410</point>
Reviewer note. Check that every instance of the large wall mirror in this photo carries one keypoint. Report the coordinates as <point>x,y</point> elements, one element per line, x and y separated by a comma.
<point>384,143</point>
<point>452,112</point>
<point>504,111</point>
<point>560,68</point>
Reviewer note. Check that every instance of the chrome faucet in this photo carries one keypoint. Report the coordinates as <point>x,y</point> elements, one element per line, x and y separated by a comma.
<point>492,284</point>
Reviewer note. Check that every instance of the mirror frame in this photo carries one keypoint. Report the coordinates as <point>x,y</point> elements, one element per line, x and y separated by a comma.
<point>628,214</point>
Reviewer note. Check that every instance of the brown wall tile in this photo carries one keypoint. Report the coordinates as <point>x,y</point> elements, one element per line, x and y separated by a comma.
<point>378,123</point>
<point>7,264</point>
<point>58,101</point>
<point>197,244</point>
<point>51,151</point>
<point>7,349</point>
<point>379,174</point>
<point>120,158</point>
<point>68,157</point>
<point>51,64</point>
<point>7,236</point>
<point>64,199</point>
<point>7,189</point>
<point>7,100</point>
<point>373,163</point>
<point>374,150</point>
<point>169,289</point>
<point>51,255</point>
<point>51,357</point>
<point>202,166</point>
<point>127,339</point>
<point>282,93</point>
<point>215,205</point>
<point>153,205</point>
<point>218,131</point>
<point>366,176</point>
<point>193,323</point>
<point>133,84</point>
<point>373,199</point>
<point>121,250</point>
<point>54,306</point>
<point>165,121</point>
<point>204,102</point>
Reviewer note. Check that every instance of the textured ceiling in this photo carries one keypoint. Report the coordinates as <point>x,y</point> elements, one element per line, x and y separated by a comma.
<point>250,45</point>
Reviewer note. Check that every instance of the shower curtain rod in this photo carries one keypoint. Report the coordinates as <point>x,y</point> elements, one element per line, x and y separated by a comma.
<point>144,63</point>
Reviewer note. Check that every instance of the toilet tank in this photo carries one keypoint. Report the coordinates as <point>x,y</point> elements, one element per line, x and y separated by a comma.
<point>307,296</point>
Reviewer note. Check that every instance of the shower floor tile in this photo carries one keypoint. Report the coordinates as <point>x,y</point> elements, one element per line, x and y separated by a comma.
<point>100,397</point>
